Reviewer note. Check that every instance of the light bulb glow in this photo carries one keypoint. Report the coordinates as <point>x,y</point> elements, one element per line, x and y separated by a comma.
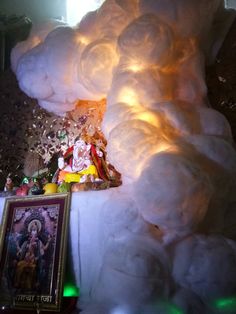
<point>76,9</point>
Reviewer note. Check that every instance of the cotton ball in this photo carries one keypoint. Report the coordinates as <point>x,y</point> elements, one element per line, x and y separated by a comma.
<point>96,65</point>
<point>123,218</point>
<point>147,39</point>
<point>131,143</point>
<point>113,16</point>
<point>134,87</point>
<point>132,274</point>
<point>173,193</point>
<point>214,123</point>
<point>181,116</point>
<point>106,22</point>
<point>206,265</point>
<point>32,75</point>
<point>129,6</point>
<point>37,35</point>
<point>61,67</point>
<point>61,58</point>
<point>189,83</point>
<point>216,149</point>
<point>49,75</point>
<point>48,71</point>
<point>121,112</point>
<point>188,120</point>
<point>115,115</point>
<point>188,18</point>
<point>88,27</point>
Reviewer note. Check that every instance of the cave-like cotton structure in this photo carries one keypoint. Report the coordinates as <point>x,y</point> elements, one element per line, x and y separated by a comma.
<point>154,238</point>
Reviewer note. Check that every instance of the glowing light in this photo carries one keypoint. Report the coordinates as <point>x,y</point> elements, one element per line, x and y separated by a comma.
<point>120,310</point>
<point>128,96</point>
<point>168,308</point>
<point>226,304</point>
<point>70,290</point>
<point>175,310</point>
<point>135,67</point>
<point>35,41</point>
<point>76,9</point>
<point>82,39</point>
<point>149,117</point>
<point>162,147</point>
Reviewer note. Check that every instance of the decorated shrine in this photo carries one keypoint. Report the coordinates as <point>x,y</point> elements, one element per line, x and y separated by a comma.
<point>130,114</point>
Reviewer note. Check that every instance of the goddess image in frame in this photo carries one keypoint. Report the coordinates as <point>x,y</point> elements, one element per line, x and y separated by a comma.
<point>31,250</point>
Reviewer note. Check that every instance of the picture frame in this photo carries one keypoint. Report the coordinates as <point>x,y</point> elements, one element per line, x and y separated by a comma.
<point>33,243</point>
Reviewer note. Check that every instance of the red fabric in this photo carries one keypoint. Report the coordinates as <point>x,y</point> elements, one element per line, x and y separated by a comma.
<point>69,152</point>
<point>98,163</point>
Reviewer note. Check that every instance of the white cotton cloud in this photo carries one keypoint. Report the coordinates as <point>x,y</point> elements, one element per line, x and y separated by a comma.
<point>173,193</point>
<point>98,58</point>
<point>206,265</point>
<point>134,272</point>
<point>124,218</point>
<point>136,85</point>
<point>114,16</point>
<point>217,149</point>
<point>139,139</point>
<point>214,123</point>
<point>82,62</point>
<point>179,116</point>
<point>183,15</point>
<point>57,75</point>
<point>37,35</point>
<point>34,80</point>
<point>148,40</point>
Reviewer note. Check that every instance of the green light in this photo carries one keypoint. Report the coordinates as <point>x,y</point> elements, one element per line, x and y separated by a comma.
<point>70,290</point>
<point>174,310</point>
<point>226,304</point>
<point>167,307</point>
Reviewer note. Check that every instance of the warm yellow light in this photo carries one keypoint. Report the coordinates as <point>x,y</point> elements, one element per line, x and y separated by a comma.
<point>165,146</point>
<point>149,117</point>
<point>153,148</point>
<point>35,41</point>
<point>185,49</point>
<point>128,96</point>
<point>135,67</point>
<point>82,39</point>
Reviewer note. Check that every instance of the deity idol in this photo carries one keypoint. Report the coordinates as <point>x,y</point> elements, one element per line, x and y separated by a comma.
<point>77,164</point>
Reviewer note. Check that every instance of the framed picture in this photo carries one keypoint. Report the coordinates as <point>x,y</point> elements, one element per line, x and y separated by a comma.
<point>33,240</point>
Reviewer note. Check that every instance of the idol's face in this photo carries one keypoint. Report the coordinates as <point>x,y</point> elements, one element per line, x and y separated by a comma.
<point>80,144</point>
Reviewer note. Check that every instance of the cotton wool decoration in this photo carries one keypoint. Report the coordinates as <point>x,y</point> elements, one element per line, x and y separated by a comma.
<point>175,154</point>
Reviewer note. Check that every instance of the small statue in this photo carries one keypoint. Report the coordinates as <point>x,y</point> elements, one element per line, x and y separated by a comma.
<point>77,165</point>
<point>85,162</point>
<point>9,184</point>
